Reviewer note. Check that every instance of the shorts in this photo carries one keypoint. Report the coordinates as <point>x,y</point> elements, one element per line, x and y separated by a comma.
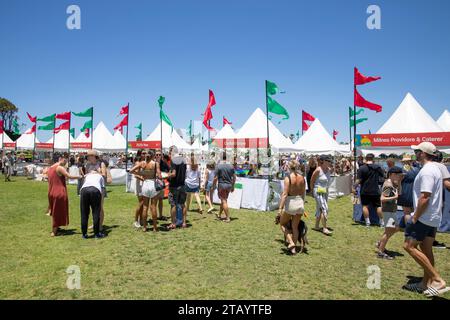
<point>294,205</point>
<point>419,231</point>
<point>192,190</point>
<point>209,186</point>
<point>224,193</point>
<point>390,219</point>
<point>375,201</point>
<point>148,189</point>
<point>177,196</point>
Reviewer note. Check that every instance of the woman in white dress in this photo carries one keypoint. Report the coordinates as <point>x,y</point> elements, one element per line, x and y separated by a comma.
<point>320,182</point>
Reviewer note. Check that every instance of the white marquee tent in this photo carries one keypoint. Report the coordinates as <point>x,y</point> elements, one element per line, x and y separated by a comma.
<point>4,138</point>
<point>316,140</point>
<point>256,127</point>
<point>444,121</point>
<point>409,117</point>
<point>26,141</point>
<point>226,132</point>
<point>170,137</point>
<point>119,142</point>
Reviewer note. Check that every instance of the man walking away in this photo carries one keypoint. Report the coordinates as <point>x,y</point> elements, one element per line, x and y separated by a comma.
<point>421,228</point>
<point>91,198</point>
<point>370,176</point>
<point>225,178</point>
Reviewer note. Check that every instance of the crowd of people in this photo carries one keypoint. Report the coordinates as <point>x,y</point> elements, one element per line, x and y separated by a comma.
<point>418,187</point>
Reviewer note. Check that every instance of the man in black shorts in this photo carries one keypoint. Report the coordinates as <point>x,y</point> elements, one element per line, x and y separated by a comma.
<point>177,192</point>
<point>369,177</point>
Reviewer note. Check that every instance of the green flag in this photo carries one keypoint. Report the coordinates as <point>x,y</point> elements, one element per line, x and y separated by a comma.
<point>190,129</point>
<point>48,119</point>
<point>274,107</point>
<point>357,121</point>
<point>139,137</point>
<point>72,132</point>
<point>139,126</point>
<point>272,88</point>
<point>16,127</point>
<point>298,134</point>
<point>49,126</point>
<point>351,114</point>
<point>161,101</point>
<point>87,113</point>
<point>165,118</point>
<point>87,125</point>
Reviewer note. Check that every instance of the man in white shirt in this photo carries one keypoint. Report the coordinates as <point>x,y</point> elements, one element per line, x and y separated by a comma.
<point>91,198</point>
<point>426,218</point>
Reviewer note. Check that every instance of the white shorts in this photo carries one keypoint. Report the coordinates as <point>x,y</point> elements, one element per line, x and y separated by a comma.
<point>294,205</point>
<point>390,219</point>
<point>148,189</point>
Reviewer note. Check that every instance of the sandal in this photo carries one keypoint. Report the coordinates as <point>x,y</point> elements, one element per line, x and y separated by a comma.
<point>171,226</point>
<point>184,225</point>
<point>292,250</point>
<point>432,292</point>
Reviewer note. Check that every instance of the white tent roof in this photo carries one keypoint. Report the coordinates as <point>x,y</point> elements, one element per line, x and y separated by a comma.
<point>226,132</point>
<point>410,117</point>
<point>26,141</point>
<point>170,137</point>
<point>61,140</point>
<point>120,143</point>
<point>317,140</point>
<point>255,127</point>
<point>197,145</point>
<point>103,139</point>
<point>4,138</point>
<point>82,138</point>
<point>444,120</point>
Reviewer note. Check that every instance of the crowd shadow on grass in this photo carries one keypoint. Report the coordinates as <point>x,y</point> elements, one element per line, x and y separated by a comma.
<point>394,253</point>
<point>288,253</point>
<point>107,229</point>
<point>165,226</point>
<point>66,232</point>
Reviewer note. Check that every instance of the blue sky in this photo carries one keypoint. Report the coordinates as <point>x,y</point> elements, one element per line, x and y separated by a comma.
<point>134,51</point>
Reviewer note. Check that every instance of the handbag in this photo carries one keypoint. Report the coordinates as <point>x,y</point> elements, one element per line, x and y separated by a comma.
<point>321,190</point>
<point>159,184</point>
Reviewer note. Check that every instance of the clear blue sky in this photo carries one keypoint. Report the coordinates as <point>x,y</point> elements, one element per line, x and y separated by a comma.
<point>134,51</point>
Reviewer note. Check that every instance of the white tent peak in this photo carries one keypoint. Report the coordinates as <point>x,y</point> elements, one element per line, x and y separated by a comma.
<point>170,137</point>
<point>317,140</point>
<point>444,120</point>
<point>255,127</point>
<point>409,117</point>
<point>226,132</point>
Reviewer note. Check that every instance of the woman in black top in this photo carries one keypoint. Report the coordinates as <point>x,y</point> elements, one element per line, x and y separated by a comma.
<point>312,166</point>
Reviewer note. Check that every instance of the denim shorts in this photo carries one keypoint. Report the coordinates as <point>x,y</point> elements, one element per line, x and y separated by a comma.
<point>419,231</point>
<point>209,186</point>
<point>192,190</point>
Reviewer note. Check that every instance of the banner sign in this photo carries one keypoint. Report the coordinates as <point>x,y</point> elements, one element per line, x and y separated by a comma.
<point>247,143</point>
<point>402,139</point>
<point>44,146</point>
<point>80,145</point>
<point>9,145</point>
<point>144,144</point>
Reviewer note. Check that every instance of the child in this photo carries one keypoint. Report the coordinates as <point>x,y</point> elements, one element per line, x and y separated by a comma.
<point>389,196</point>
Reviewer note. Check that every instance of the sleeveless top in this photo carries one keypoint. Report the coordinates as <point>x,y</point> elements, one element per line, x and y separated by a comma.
<point>149,173</point>
<point>322,180</point>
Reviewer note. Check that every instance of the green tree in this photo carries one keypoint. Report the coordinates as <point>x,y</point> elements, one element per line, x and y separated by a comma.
<point>8,113</point>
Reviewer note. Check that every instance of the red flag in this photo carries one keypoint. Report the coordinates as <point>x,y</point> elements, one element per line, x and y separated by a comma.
<point>125,109</point>
<point>63,116</point>
<point>207,116</point>
<point>32,119</point>
<point>1,126</point>
<point>87,132</point>
<point>305,126</point>
<point>225,121</point>
<point>33,130</point>
<point>335,133</point>
<point>361,79</point>
<point>306,116</point>
<point>359,101</point>
<point>122,123</point>
<point>63,126</point>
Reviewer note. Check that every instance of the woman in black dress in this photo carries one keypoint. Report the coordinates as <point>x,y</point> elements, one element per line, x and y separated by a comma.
<point>312,166</point>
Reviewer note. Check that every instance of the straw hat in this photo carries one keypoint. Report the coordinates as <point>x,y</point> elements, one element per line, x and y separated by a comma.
<point>407,157</point>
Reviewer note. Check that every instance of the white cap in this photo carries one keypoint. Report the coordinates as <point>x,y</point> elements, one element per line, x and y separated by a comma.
<point>426,147</point>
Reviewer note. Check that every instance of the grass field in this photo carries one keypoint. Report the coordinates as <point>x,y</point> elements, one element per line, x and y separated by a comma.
<point>209,260</point>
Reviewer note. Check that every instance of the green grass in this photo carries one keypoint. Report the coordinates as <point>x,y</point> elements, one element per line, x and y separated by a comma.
<point>210,260</point>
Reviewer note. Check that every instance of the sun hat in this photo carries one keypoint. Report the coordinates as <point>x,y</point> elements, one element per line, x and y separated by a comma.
<point>406,157</point>
<point>92,153</point>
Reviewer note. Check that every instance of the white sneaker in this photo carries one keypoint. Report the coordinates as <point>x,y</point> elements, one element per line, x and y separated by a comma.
<point>137,225</point>
<point>210,210</point>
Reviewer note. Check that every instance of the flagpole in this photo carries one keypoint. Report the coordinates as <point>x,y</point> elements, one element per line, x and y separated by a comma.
<point>34,143</point>
<point>126,147</point>
<point>267,121</point>
<point>54,125</point>
<point>350,130</point>
<point>68,146</point>
<point>92,131</point>
<point>160,128</point>
<point>354,134</point>
<point>302,122</point>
